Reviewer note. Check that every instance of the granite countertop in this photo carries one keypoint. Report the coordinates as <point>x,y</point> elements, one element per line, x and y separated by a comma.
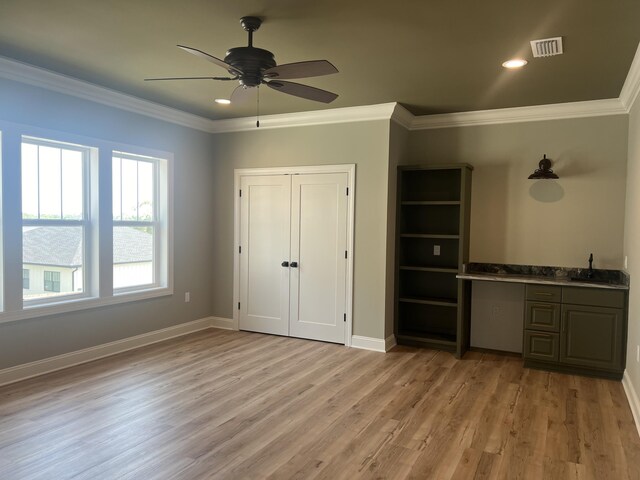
<point>562,276</point>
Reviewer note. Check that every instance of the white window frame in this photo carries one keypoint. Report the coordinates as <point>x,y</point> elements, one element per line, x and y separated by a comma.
<point>88,262</point>
<point>100,245</point>
<point>156,223</point>
<point>2,217</point>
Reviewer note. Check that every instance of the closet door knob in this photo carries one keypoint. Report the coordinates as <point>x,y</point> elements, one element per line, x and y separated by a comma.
<point>285,264</point>
<point>294,264</point>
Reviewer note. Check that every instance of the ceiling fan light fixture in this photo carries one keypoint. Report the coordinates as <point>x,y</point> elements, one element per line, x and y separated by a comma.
<point>514,63</point>
<point>252,67</point>
<point>222,101</point>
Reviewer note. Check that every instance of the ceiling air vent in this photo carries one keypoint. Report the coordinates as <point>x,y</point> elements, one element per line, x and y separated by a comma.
<point>547,47</point>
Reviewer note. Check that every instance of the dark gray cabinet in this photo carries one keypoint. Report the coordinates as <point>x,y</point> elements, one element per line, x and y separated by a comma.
<point>541,346</point>
<point>542,316</point>
<point>591,337</point>
<point>577,330</point>
<point>432,243</point>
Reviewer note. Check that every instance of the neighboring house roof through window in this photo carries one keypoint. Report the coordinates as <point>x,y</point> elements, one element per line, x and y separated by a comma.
<point>62,246</point>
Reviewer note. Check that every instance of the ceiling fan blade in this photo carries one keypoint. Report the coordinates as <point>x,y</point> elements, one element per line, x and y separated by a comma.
<point>189,78</point>
<point>312,68</point>
<point>210,58</point>
<point>302,91</point>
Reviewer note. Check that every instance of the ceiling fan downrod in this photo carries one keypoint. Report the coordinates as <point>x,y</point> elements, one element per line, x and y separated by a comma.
<point>250,24</point>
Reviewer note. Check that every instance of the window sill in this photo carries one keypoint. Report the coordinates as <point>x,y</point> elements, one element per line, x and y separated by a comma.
<point>84,303</point>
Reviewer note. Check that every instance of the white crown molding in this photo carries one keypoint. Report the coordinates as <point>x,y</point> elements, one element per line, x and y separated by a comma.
<point>402,116</point>
<point>331,116</point>
<point>631,87</point>
<point>558,111</point>
<point>42,78</point>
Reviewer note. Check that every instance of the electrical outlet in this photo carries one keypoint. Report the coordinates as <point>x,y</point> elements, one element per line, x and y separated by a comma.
<point>436,249</point>
<point>495,312</point>
<point>187,297</point>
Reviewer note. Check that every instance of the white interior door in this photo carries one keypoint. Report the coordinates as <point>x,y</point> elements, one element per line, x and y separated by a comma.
<point>318,246</point>
<point>264,241</point>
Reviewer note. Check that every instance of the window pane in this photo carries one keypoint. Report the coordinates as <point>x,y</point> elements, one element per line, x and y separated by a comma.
<point>54,257</point>
<point>29,181</point>
<point>133,259</point>
<point>117,188</point>
<point>50,182</point>
<point>72,185</point>
<point>129,189</point>
<point>145,191</point>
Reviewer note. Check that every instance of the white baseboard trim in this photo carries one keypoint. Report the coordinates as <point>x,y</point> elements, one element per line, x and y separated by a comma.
<point>66,360</point>
<point>368,343</point>
<point>389,342</point>
<point>632,397</point>
<point>223,323</point>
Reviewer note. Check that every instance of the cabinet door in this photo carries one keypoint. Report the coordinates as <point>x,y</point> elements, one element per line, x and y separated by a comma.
<point>591,336</point>
<point>264,236</point>
<point>542,316</point>
<point>541,346</point>
<point>319,247</point>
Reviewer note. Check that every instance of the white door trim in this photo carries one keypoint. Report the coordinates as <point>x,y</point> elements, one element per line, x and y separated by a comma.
<point>350,170</point>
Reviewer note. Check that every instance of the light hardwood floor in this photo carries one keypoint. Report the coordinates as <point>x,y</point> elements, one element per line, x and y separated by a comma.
<point>221,404</point>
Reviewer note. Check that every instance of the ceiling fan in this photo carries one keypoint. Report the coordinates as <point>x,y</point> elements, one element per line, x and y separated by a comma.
<point>253,67</point>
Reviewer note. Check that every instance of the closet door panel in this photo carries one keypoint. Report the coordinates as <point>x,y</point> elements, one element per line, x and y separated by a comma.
<point>318,245</point>
<point>264,236</point>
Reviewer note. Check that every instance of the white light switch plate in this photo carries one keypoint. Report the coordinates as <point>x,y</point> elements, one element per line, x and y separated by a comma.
<point>436,249</point>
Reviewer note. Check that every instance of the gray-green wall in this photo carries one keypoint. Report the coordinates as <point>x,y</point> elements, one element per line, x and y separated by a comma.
<point>398,143</point>
<point>364,143</point>
<point>521,221</point>
<point>514,220</point>
<point>631,243</point>
<point>37,338</point>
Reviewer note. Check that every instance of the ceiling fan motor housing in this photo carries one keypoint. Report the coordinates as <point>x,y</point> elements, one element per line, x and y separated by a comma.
<point>253,66</point>
<point>251,62</point>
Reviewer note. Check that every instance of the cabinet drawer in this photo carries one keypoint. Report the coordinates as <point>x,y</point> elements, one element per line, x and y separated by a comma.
<point>542,316</point>
<point>541,346</point>
<point>593,296</point>
<point>544,293</point>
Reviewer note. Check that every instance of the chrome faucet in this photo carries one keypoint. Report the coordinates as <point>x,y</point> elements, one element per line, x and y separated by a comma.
<point>590,272</point>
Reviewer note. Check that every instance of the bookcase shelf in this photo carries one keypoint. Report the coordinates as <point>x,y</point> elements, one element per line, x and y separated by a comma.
<point>425,235</point>
<point>451,202</point>
<point>429,269</point>
<point>432,244</point>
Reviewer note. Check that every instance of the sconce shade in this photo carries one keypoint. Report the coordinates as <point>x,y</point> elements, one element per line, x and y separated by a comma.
<point>544,170</point>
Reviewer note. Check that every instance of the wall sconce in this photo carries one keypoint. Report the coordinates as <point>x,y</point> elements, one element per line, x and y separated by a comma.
<point>544,171</point>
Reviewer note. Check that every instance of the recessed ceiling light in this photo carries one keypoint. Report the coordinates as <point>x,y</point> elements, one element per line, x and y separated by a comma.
<point>222,101</point>
<point>514,63</point>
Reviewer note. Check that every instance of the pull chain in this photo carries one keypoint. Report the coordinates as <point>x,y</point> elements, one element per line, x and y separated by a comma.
<point>258,108</point>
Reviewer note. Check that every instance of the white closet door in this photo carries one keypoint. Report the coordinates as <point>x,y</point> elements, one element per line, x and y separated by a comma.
<point>318,245</point>
<point>264,238</point>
